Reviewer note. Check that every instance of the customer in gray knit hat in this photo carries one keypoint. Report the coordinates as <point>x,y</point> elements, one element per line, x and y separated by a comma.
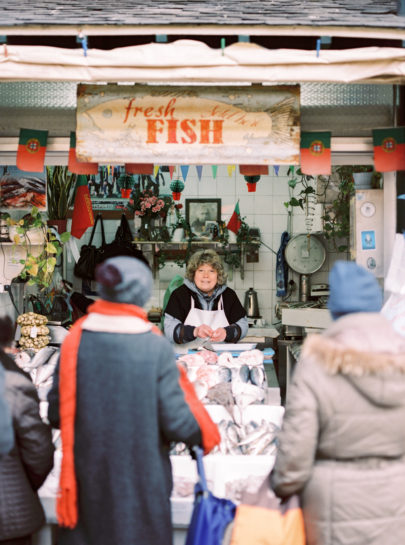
<point>342,444</point>
<point>124,280</point>
<point>130,406</point>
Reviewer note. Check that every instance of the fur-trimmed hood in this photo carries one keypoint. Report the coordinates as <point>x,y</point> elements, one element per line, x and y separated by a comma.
<point>365,348</point>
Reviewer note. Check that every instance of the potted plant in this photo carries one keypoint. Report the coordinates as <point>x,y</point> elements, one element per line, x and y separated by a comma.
<point>125,183</point>
<point>60,192</point>
<point>43,246</point>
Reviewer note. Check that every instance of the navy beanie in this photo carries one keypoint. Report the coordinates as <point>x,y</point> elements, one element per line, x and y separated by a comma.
<point>124,280</point>
<point>353,289</point>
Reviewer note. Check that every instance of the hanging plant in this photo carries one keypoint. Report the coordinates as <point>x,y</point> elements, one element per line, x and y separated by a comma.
<point>336,219</point>
<point>251,182</point>
<point>176,187</point>
<point>303,182</point>
<point>38,268</point>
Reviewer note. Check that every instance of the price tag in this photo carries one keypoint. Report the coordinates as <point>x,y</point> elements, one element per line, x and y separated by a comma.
<point>34,332</point>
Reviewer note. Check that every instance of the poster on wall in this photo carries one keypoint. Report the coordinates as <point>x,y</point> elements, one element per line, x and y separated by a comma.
<point>21,190</point>
<point>188,125</point>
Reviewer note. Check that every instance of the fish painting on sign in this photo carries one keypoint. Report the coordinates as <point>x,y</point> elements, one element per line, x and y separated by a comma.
<point>22,190</point>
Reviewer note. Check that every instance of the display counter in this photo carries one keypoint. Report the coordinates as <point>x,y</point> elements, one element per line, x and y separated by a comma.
<point>248,431</point>
<point>227,476</point>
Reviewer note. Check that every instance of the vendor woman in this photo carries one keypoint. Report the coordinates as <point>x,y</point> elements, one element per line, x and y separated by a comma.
<point>203,306</point>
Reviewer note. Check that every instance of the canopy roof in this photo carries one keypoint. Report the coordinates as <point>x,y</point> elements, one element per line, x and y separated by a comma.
<point>189,61</point>
<point>200,16</point>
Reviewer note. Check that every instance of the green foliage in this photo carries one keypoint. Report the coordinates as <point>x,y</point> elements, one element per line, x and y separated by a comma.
<point>303,181</point>
<point>60,191</point>
<point>126,181</point>
<point>336,219</point>
<point>38,269</point>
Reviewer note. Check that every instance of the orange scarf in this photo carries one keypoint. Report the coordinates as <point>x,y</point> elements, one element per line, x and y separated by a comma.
<point>66,506</point>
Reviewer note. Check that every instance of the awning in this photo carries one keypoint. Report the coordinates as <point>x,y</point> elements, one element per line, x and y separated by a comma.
<point>188,61</point>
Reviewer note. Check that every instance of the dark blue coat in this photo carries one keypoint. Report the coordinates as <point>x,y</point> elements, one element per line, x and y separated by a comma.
<point>129,408</point>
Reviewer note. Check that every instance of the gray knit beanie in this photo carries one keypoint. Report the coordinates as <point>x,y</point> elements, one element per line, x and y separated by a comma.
<point>124,280</point>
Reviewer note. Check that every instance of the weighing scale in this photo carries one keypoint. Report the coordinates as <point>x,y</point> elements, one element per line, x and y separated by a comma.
<point>305,254</point>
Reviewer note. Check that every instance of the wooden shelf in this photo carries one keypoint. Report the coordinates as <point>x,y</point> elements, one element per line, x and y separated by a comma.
<point>177,250</point>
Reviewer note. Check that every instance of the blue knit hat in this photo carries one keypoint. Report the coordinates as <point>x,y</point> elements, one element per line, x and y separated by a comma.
<point>124,280</point>
<point>353,289</point>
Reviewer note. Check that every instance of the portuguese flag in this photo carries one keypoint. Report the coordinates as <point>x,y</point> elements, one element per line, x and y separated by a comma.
<point>235,222</point>
<point>76,166</point>
<point>315,153</point>
<point>83,217</point>
<point>389,149</point>
<point>31,150</point>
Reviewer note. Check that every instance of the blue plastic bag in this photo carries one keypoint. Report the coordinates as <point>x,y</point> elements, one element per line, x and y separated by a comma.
<point>211,515</point>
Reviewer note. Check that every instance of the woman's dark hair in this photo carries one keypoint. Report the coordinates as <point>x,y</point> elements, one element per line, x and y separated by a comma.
<point>6,330</point>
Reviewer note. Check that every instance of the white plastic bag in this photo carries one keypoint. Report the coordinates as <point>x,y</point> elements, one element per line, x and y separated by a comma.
<point>395,280</point>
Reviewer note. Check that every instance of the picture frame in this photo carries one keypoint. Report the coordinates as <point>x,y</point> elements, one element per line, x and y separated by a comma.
<point>201,214</point>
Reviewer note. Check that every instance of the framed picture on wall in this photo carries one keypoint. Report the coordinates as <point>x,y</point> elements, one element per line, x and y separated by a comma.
<point>201,214</point>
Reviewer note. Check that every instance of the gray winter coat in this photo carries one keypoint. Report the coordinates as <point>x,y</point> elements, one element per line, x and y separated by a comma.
<point>6,429</point>
<point>342,444</point>
<point>25,468</point>
<point>129,408</point>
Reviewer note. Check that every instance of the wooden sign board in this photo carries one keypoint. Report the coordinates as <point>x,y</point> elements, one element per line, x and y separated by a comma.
<point>188,125</point>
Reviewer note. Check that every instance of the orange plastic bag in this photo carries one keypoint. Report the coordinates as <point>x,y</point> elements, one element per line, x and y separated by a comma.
<point>263,519</point>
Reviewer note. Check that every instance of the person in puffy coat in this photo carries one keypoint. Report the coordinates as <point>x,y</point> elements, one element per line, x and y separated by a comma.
<point>25,467</point>
<point>120,401</point>
<point>342,443</point>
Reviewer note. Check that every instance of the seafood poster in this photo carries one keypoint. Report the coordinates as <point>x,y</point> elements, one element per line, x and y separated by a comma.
<point>22,190</point>
<point>200,125</point>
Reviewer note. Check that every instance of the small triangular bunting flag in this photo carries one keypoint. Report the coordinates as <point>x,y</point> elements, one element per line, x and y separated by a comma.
<point>231,169</point>
<point>214,169</point>
<point>184,171</point>
<point>199,171</point>
<point>171,170</point>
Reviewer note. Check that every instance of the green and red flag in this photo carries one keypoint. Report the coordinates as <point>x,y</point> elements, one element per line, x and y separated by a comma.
<point>235,222</point>
<point>316,153</point>
<point>79,167</point>
<point>389,149</point>
<point>31,150</point>
<point>83,217</point>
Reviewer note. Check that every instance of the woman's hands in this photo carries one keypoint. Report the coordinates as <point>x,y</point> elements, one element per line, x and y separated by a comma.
<point>204,331</point>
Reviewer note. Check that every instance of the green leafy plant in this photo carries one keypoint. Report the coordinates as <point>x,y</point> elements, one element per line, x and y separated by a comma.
<point>126,181</point>
<point>336,218</point>
<point>38,266</point>
<point>60,191</point>
<point>303,182</point>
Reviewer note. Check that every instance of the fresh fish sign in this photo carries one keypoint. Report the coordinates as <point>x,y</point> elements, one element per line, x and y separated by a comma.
<point>203,125</point>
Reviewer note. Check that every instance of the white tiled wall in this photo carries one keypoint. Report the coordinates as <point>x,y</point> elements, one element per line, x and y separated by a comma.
<point>263,209</point>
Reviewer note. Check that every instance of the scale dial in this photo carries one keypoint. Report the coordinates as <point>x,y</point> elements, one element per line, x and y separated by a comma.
<point>305,255</point>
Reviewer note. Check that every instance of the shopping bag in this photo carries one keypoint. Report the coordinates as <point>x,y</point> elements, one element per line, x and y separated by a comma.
<point>211,515</point>
<point>263,519</point>
<point>90,255</point>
